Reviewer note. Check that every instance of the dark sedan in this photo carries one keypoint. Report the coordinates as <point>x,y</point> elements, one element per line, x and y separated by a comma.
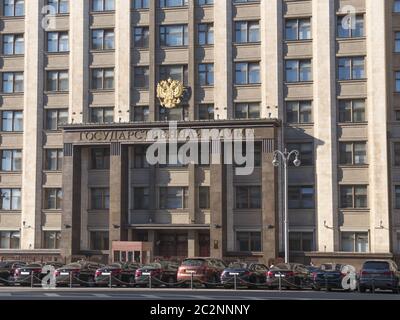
<point>288,275</point>
<point>250,275</point>
<point>121,274</point>
<point>7,269</point>
<point>78,273</point>
<point>161,273</point>
<point>330,276</point>
<point>33,274</point>
<point>379,274</point>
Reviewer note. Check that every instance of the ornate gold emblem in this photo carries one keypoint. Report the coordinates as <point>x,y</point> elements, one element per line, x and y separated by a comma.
<point>170,93</point>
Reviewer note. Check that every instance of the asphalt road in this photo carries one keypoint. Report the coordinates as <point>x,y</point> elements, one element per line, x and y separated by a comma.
<point>100,294</point>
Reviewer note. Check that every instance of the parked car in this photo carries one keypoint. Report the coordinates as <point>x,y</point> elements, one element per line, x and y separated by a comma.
<point>121,274</point>
<point>23,274</point>
<point>81,273</point>
<point>330,276</point>
<point>379,274</point>
<point>250,275</point>
<point>161,272</point>
<point>204,270</point>
<point>7,269</point>
<point>288,275</point>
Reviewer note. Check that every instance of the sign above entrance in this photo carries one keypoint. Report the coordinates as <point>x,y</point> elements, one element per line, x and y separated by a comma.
<point>170,93</point>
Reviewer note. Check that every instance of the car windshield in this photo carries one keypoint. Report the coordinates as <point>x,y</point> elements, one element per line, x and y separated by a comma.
<point>34,265</point>
<point>238,265</point>
<point>152,266</point>
<point>193,262</point>
<point>282,266</point>
<point>376,265</point>
<point>114,265</point>
<point>73,265</point>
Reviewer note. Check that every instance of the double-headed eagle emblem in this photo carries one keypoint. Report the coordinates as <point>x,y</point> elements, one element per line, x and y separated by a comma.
<point>170,93</point>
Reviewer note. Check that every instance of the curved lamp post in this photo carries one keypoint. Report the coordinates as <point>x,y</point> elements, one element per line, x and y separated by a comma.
<point>279,158</point>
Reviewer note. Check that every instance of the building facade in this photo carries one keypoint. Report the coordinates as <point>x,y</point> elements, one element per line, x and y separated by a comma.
<point>79,87</point>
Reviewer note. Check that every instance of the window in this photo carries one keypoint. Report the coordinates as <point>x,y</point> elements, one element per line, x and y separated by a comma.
<point>54,159</point>
<point>141,4</point>
<point>248,197</point>
<point>247,73</point>
<point>102,115</point>
<point>206,112</point>
<point>13,44</point>
<point>175,72</point>
<point>397,197</point>
<point>141,198</point>
<point>57,42</point>
<point>351,111</point>
<point>10,199</point>
<point>353,153</point>
<point>396,6</point>
<point>204,197</point>
<point>206,33</point>
<point>11,160</point>
<point>60,6</point>
<point>351,68</point>
<point>206,74</point>
<point>103,79</point>
<point>257,155</point>
<point>353,197</point>
<point>100,198</point>
<point>248,241</point>
<point>103,5</point>
<point>247,31</point>
<point>397,81</point>
<point>306,153</point>
<point>139,157</point>
<point>99,240</point>
<point>347,28</point>
<point>53,199</point>
<point>56,118</point>
<point>180,113</point>
<point>57,81</point>
<point>247,110</point>
<point>301,241</point>
<point>174,35</point>
<point>141,77</point>
<point>141,37</point>
<point>103,39</point>
<point>100,158</point>
<point>173,3</point>
<point>10,239</point>
<point>12,121</point>
<point>51,239</point>
<point>299,112</point>
<point>205,2</point>
<point>13,8</point>
<point>396,151</point>
<point>397,42</point>
<point>301,197</point>
<point>140,113</point>
<point>298,29</point>
<point>298,70</point>
<point>355,242</point>
<point>13,82</point>
<point>174,197</point>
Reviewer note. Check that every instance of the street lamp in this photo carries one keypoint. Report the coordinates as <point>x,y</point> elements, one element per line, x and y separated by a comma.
<point>285,157</point>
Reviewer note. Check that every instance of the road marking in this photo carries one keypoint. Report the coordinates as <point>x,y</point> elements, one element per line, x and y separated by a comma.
<point>201,297</point>
<point>101,295</point>
<point>150,296</point>
<point>52,295</point>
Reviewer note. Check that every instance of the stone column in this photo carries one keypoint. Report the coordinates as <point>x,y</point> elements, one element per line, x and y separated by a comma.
<point>193,194</point>
<point>153,33</point>
<point>217,204</point>
<point>85,165</point>
<point>118,193</point>
<point>193,243</point>
<point>223,73</point>
<point>32,138</point>
<point>123,68</point>
<point>324,107</point>
<point>79,38</point>
<point>192,67</point>
<point>71,217</point>
<point>377,104</point>
<point>270,216</point>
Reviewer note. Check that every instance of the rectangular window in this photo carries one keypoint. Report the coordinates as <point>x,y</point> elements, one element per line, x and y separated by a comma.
<point>10,199</point>
<point>141,37</point>
<point>248,241</point>
<point>57,81</point>
<point>306,150</point>
<point>57,42</point>
<point>299,112</point>
<point>397,81</point>
<point>10,239</point>
<point>298,29</point>
<point>102,115</point>
<point>51,239</point>
<point>205,33</point>
<point>11,160</point>
<point>174,197</point>
<point>100,198</point>
<point>298,70</point>
<point>351,68</point>
<point>247,73</point>
<point>247,31</point>
<point>172,3</point>
<point>141,199</point>
<point>349,27</point>
<point>13,8</point>
<point>175,72</point>
<point>206,74</point>
<point>247,110</point>
<point>301,241</point>
<point>103,5</point>
<point>53,199</point>
<point>204,197</point>
<point>355,242</point>
<point>99,240</point>
<point>54,159</point>
<point>139,113</point>
<point>13,44</point>
<point>56,118</point>
<point>206,112</point>
<point>103,39</point>
<point>248,197</point>
<point>140,4</point>
<point>100,158</point>
<point>103,79</point>
<point>139,157</point>
<point>301,197</point>
<point>351,111</point>
<point>12,121</point>
<point>353,197</point>
<point>174,35</point>
<point>13,82</point>
<point>60,6</point>
<point>353,153</point>
<point>396,6</point>
<point>397,197</point>
<point>141,77</point>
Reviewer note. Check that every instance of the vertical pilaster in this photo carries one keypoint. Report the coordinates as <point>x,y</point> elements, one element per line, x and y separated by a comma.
<point>79,75</point>
<point>223,73</point>
<point>324,106</point>
<point>193,243</point>
<point>153,32</point>
<point>122,59</point>
<point>85,165</point>
<point>32,138</point>
<point>193,193</point>
<point>192,68</point>
<point>377,104</point>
